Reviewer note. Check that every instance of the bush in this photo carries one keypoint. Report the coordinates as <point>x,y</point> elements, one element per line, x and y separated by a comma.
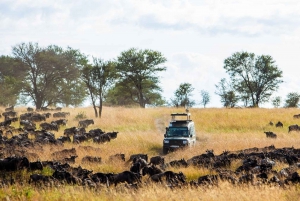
<point>80,115</point>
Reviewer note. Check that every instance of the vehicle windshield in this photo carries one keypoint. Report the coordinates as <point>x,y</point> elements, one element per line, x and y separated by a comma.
<point>177,132</point>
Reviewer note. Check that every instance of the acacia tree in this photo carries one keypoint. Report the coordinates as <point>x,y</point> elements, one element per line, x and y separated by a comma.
<point>227,93</point>
<point>205,98</point>
<point>256,76</point>
<point>98,78</point>
<point>124,93</point>
<point>182,96</point>
<point>292,99</point>
<point>10,80</point>
<point>138,70</point>
<point>276,101</point>
<point>48,71</point>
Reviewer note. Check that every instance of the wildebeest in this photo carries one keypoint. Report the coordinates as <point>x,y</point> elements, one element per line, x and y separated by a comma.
<point>294,128</point>
<point>279,124</point>
<point>156,160</point>
<point>85,123</point>
<point>296,116</point>
<point>128,177</point>
<point>37,165</point>
<point>60,122</point>
<point>179,163</point>
<point>112,135</point>
<point>71,159</point>
<point>104,178</point>
<point>136,156</point>
<point>5,123</point>
<point>60,114</point>
<point>151,170</point>
<point>117,157</point>
<point>172,178</point>
<point>70,131</point>
<point>270,134</point>
<point>39,178</point>
<point>64,139</point>
<point>91,159</point>
<point>10,114</point>
<point>208,180</point>
<point>102,138</point>
<point>11,108</point>
<point>271,123</point>
<point>30,109</point>
<point>64,153</point>
<point>14,163</point>
<point>49,126</point>
<point>66,176</point>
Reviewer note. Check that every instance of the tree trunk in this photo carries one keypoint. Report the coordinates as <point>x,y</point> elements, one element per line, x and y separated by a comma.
<point>100,106</point>
<point>38,103</point>
<point>95,109</point>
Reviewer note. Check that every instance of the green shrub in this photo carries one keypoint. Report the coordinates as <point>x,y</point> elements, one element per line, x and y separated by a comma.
<point>80,115</point>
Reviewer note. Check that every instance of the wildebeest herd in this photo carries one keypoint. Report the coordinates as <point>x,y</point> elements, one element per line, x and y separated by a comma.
<point>256,164</point>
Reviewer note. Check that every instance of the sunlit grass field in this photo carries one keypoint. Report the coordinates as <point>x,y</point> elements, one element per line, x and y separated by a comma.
<point>141,131</point>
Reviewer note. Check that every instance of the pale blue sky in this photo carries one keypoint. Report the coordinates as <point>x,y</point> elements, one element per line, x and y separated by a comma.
<point>194,36</point>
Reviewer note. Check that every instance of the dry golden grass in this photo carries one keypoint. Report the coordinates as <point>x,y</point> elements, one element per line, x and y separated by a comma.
<point>141,131</point>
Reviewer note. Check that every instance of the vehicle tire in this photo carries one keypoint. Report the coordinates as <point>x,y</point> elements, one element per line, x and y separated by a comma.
<point>165,151</point>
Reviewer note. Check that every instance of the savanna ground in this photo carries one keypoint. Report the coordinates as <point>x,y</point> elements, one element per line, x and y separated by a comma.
<point>141,131</point>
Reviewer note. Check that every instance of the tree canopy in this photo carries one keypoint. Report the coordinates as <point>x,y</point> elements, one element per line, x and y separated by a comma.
<point>50,73</point>
<point>98,78</point>
<point>10,80</point>
<point>182,96</point>
<point>137,72</point>
<point>256,76</point>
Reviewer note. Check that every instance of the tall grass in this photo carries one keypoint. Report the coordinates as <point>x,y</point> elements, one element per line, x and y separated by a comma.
<point>141,131</point>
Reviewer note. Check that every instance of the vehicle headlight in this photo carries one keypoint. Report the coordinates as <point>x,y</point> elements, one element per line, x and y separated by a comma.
<point>184,142</point>
<point>166,141</point>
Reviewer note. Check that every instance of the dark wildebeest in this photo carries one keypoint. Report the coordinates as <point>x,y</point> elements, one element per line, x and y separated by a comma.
<point>85,123</point>
<point>5,123</point>
<point>60,114</point>
<point>157,160</point>
<point>66,176</point>
<point>294,128</point>
<point>39,178</point>
<point>64,139</point>
<point>49,126</point>
<point>144,156</point>
<point>279,124</point>
<point>179,163</point>
<point>64,153</point>
<point>60,122</point>
<point>14,163</point>
<point>270,134</point>
<point>112,135</point>
<point>170,177</point>
<point>10,114</point>
<point>71,159</point>
<point>70,131</point>
<point>296,116</point>
<point>29,109</point>
<point>37,165</point>
<point>128,177</point>
<point>103,178</point>
<point>208,180</point>
<point>9,108</point>
<point>117,157</point>
<point>151,170</point>
<point>91,159</point>
<point>271,123</point>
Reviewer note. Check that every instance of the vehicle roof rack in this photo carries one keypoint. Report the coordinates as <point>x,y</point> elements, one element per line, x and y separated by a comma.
<point>187,115</point>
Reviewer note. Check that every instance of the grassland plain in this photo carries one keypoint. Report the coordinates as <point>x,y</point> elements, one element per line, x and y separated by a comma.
<point>141,131</point>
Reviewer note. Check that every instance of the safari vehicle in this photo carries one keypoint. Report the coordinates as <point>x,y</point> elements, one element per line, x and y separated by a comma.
<point>180,133</point>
